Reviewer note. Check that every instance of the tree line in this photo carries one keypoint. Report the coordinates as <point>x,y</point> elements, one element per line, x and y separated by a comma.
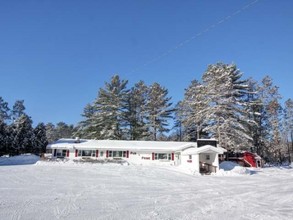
<point>241,113</point>
<point>18,136</point>
<point>118,113</point>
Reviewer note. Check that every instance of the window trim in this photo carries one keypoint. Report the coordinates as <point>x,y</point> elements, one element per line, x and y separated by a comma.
<point>80,153</point>
<point>163,156</point>
<point>61,153</point>
<point>117,153</point>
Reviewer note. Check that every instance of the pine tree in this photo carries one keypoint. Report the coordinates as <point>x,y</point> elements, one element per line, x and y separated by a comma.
<point>159,110</point>
<point>3,138</point>
<point>18,109</point>
<point>255,109</point>
<point>51,133</point>
<point>226,116</point>
<point>85,128</point>
<point>178,135</point>
<point>64,130</point>
<point>40,139</point>
<point>288,126</point>
<point>270,97</point>
<point>191,110</point>
<point>23,136</point>
<point>4,116</point>
<point>135,114</point>
<point>109,110</point>
<point>9,131</point>
<point>4,110</point>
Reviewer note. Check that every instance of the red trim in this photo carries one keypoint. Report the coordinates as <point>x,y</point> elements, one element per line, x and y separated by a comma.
<point>67,153</point>
<point>153,156</point>
<point>97,153</point>
<point>172,156</point>
<point>127,154</point>
<point>107,154</point>
<point>76,153</point>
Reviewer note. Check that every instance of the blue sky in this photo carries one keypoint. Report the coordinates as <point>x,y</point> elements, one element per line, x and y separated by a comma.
<point>57,54</point>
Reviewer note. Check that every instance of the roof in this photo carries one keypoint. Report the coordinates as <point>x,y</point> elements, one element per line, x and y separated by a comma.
<point>188,148</point>
<point>121,145</point>
<point>204,149</point>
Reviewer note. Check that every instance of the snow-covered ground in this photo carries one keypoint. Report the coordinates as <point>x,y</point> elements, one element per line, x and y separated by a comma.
<point>19,160</point>
<point>57,190</point>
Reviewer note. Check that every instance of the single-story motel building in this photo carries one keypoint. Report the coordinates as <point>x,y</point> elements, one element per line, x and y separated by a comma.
<point>202,156</point>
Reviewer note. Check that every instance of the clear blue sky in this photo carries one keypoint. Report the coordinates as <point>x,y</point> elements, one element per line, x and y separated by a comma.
<point>56,54</point>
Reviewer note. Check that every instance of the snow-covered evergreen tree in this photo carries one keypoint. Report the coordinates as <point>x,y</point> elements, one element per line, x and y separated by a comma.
<point>3,138</point>
<point>226,117</point>
<point>60,130</point>
<point>23,135</point>
<point>64,130</point>
<point>191,111</point>
<point>270,97</point>
<point>135,114</point>
<point>255,109</point>
<point>159,110</point>
<point>17,109</point>
<point>178,129</point>
<point>4,110</point>
<point>9,131</point>
<point>4,116</point>
<point>109,110</point>
<point>85,128</point>
<point>288,127</point>
<point>51,134</point>
<point>40,139</point>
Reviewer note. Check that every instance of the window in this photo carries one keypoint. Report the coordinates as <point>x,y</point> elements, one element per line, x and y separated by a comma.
<point>117,153</point>
<point>60,153</point>
<point>101,153</point>
<point>207,157</point>
<point>86,153</point>
<point>109,153</point>
<point>163,156</point>
<point>190,157</point>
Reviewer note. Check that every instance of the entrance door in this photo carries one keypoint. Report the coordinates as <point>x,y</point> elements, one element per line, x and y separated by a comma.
<point>177,159</point>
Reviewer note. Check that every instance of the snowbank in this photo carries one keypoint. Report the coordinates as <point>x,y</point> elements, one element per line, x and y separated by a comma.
<point>68,162</point>
<point>228,168</point>
<point>19,160</point>
<point>182,169</point>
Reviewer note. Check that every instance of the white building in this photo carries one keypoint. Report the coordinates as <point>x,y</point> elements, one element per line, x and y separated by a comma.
<point>202,156</point>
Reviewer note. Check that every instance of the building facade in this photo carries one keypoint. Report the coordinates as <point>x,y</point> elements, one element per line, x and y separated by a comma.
<point>202,156</point>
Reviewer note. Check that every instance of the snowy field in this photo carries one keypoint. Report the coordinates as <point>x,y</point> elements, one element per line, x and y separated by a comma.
<point>50,190</point>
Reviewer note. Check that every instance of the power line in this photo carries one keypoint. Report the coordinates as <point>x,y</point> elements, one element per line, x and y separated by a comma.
<point>209,28</point>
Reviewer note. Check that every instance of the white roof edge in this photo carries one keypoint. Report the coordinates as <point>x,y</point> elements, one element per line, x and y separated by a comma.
<point>204,149</point>
<point>65,143</point>
<point>119,144</point>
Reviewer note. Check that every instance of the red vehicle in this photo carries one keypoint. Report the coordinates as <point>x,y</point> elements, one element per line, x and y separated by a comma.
<point>245,158</point>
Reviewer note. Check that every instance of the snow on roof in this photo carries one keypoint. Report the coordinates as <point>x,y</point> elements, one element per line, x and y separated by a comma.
<point>121,144</point>
<point>204,149</point>
<point>207,139</point>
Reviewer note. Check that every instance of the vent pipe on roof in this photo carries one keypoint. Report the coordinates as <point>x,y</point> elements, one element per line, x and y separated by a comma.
<point>77,140</point>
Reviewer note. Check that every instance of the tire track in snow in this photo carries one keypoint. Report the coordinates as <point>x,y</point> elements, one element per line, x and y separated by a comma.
<point>66,206</point>
<point>21,209</point>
